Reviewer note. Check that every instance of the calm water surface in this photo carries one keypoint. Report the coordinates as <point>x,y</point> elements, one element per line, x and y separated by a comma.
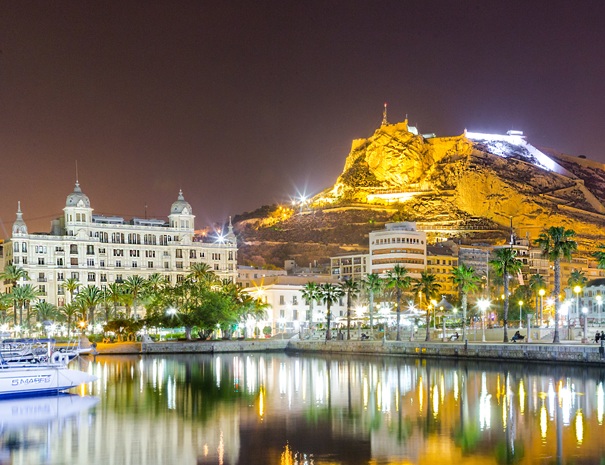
<point>279,409</point>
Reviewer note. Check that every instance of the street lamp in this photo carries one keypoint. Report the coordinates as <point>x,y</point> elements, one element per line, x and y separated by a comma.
<point>434,304</point>
<point>585,314</point>
<point>541,293</point>
<point>599,298</point>
<point>483,306</point>
<point>577,289</point>
<point>520,314</point>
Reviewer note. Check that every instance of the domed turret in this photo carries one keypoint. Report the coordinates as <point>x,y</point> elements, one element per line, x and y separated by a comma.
<point>181,215</point>
<point>77,198</point>
<point>181,206</point>
<point>19,226</point>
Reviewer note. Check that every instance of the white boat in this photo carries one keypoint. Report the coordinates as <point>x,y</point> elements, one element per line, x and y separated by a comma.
<point>19,380</point>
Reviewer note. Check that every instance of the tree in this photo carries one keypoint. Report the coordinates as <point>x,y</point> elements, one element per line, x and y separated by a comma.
<point>134,286</point>
<point>398,280</point>
<point>11,275</point>
<point>349,288</point>
<point>556,243</point>
<point>6,300</point>
<point>311,293</point>
<point>71,285</point>
<point>506,263</point>
<point>467,281</point>
<point>115,294</point>
<point>45,311</point>
<point>599,256</point>
<point>22,295</point>
<point>372,284</point>
<point>89,297</point>
<point>576,278</point>
<point>429,287</point>
<point>329,295</point>
<point>69,312</point>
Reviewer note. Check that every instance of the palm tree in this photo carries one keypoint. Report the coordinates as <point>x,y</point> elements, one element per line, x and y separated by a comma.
<point>45,311</point>
<point>399,280</point>
<point>537,283</point>
<point>89,297</point>
<point>349,288</point>
<point>329,295</point>
<point>429,287</point>
<point>115,294</point>
<point>599,256</point>
<point>467,281</point>
<point>576,278</point>
<point>311,293</point>
<point>69,311</point>
<point>71,285</point>
<point>11,275</point>
<point>134,286</point>
<point>22,295</point>
<point>557,243</point>
<point>6,300</point>
<point>505,264</point>
<point>372,284</point>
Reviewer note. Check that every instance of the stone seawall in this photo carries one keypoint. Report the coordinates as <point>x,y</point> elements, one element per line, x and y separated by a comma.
<point>554,353</point>
<point>211,347</point>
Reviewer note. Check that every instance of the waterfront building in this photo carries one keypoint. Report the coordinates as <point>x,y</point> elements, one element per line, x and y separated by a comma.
<point>350,267</point>
<point>99,250</point>
<point>248,276</point>
<point>287,310</point>
<point>398,244</point>
<point>440,262</point>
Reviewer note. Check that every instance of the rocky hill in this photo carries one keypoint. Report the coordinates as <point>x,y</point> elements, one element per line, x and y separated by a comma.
<point>468,187</point>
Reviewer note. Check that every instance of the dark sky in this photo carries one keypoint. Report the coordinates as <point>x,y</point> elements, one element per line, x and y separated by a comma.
<point>242,104</point>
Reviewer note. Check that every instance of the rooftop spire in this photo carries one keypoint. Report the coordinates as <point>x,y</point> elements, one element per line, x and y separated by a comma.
<point>384,115</point>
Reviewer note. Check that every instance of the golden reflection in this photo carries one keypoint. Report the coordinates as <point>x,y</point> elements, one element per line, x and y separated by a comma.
<point>221,449</point>
<point>484,404</point>
<point>365,393</point>
<point>442,388</point>
<point>579,427</point>
<point>543,422</point>
<point>261,402</point>
<point>420,395</point>
<point>435,401</point>
<point>287,456</point>
<point>521,397</point>
<point>600,402</point>
<point>456,386</point>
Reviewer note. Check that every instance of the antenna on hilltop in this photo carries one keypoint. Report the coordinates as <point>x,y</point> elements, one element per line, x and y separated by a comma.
<point>384,115</point>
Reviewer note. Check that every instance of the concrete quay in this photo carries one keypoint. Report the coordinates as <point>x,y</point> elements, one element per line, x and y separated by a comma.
<point>565,352</point>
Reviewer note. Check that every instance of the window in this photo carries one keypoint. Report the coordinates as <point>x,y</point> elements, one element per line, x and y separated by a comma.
<point>231,255</point>
<point>103,277</point>
<point>179,265</point>
<point>24,247</point>
<point>150,253</point>
<point>74,261</point>
<point>118,253</point>
<point>90,262</point>
<point>24,260</point>
<point>102,250</point>
<point>60,290</point>
<point>166,267</point>
<point>149,264</point>
<point>216,267</point>
<point>60,276</point>
<point>282,313</point>
<point>134,264</point>
<point>42,288</point>
<point>16,247</point>
<point>282,300</point>
<point>75,275</point>
<point>41,260</point>
<point>295,314</point>
<point>119,278</point>
<point>216,256</point>
<point>118,263</point>
<point>91,277</point>
<point>102,263</point>
<point>90,250</point>
<point>16,260</point>
<point>179,253</point>
<point>73,249</point>
<point>294,300</point>
<point>179,278</point>
<point>41,278</point>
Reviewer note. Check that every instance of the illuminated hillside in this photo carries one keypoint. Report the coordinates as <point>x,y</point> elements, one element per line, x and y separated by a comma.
<point>467,186</point>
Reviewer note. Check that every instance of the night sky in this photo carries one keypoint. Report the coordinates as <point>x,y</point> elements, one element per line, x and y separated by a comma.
<point>242,104</point>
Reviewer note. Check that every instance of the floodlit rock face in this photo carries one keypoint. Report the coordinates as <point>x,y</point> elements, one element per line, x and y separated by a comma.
<point>467,186</point>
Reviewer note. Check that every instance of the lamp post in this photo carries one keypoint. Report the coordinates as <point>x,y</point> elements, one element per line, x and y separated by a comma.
<point>599,298</point>
<point>585,314</point>
<point>520,314</point>
<point>577,289</point>
<point>541,293</point>
<point>483,306</point>
<point>434,305</point>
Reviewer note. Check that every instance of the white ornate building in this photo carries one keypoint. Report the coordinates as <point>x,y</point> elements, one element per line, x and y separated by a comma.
<point>99,250</point>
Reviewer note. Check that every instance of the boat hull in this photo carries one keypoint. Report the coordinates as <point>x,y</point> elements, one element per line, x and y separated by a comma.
<point>20,381</point>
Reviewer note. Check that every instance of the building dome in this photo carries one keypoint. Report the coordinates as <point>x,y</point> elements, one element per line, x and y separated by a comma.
<point>181,206</point>
<point>77,198</point>
<point>19,226</point>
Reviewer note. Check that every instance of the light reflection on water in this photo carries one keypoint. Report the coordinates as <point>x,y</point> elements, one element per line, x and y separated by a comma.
<point>277,409</point>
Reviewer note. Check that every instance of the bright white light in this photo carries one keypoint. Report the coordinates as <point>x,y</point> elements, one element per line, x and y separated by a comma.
<point>171,311</point>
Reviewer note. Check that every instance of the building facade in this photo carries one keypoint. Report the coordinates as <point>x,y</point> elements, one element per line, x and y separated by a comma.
<point>398,244</point>
<point>99,250</point>
<point>349,267</point>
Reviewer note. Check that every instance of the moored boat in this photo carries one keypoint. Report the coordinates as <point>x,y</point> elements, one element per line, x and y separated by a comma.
<point>18,380</point>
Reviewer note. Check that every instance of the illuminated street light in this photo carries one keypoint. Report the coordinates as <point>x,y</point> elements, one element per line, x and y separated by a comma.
<point>599,298</point>
<point>577,289</point>
<point>483,305</point>
<point>585,315</point>
<point>520,314</point>
<point>541,293</point>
